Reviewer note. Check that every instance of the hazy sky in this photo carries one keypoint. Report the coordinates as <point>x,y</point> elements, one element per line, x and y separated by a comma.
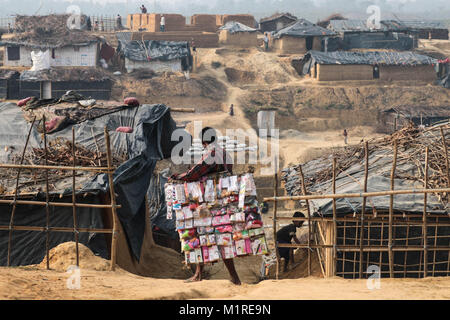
<point>310,9</point>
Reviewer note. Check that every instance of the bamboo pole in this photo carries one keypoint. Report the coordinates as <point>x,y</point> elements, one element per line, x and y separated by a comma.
<point>434,253</point>
<point>113,202</point>
<point>363,209</point>
<point>47,200</point>
<point>74,208</point>
<point>59,204</point>
<point>29,166</point>
<point>406,253</point>
<point>308,210</point>
<point>55,229</point>
<point>358,195</point>
<point>391,210</point>
<point>381,243</point>
<point>446,157</point>
<point>334,218</point>
<point>425,251</point>
<point>16,191</point>
<point>275,207</point>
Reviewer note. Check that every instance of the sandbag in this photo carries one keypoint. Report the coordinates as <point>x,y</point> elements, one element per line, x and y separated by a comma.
<point>41,60</point>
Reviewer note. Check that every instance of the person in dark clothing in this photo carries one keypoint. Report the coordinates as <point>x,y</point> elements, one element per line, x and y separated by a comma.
<point>89,23</point>
<point>232,110</point>
<point>285,235</point>
<point>143,9</point>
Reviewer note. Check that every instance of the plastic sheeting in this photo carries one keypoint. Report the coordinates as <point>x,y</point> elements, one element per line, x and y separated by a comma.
<point>41,60</point>
<point>367,58</point>
<point>303,28</point>
<point>148,50</point>
<point>394,41</point>
<point>351,181</point>
<point>150,142</point>
<point>234,27</point>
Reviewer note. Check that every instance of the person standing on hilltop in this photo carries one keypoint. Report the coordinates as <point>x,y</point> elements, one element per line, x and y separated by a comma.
<point>345,134</point>
<point>163,23</point>
<point>119,22</point>
<point>143,9</point>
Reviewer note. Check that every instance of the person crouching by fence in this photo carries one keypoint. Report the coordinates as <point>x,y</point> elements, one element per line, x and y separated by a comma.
<point>285,235</point>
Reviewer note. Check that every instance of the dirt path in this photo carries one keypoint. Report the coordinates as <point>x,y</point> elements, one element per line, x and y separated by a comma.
<point>23,283</point>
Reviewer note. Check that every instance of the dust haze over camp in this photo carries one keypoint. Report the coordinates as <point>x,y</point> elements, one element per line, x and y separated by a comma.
<point>236,150</point>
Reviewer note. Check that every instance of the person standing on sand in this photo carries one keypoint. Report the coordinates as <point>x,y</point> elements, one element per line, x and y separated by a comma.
<point>345,136</point>
<point>266,42</point>
<point>285,235</point>
<point>231,110</point>
<point>214,160</point>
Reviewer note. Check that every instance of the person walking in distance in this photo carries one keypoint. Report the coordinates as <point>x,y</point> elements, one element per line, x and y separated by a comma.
<point>232,110</point>
<point>345,136</point>
<point>266,42</point>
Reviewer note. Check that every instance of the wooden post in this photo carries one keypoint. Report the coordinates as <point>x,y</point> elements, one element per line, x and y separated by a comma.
<point>47,209</point>
<point>391,212</point>
<point>275,207</point>
<point>74,200</point>
<point>113,201</point>
<point>309,219</point>
<point>425,234</point>
<point>333,271</point>
<point>329,251</point>
<point>446,157</point>
<point>363,209</point>
<point>16,192</point>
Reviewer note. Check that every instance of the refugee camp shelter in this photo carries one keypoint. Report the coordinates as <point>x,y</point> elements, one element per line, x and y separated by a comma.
<point>66,47</point>
<point>134,158</point>
<point>55,82</point>
<point>395,118</point>
<point>9,84</point>
<point>428,29</point>
<point>276,22</point>
<point>370,65</point>
<point>364,229</point>
<point>237,34</point>
<point>300,37</point>
<point>157,56</point>
<point>355,34</point>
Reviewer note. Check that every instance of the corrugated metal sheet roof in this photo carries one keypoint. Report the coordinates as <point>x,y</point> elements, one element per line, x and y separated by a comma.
<point>234,26</point>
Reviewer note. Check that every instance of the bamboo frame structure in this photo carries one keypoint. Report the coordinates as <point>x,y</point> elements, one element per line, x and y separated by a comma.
<point>391,239</point>
<point>74,204</point>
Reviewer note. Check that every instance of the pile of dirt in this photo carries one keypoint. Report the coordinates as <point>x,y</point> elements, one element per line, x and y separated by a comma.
<point>202,93</point>
<point>300,268</point>
<point>235,75</point>
<point>64,255</point>
<point>266,68</point>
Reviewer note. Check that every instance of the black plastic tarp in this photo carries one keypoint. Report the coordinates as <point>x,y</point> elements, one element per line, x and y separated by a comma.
<point>150,142</point>
<point>367,58</point>
<point>394,41</point>
<point>28,247</point>
<point>303,28</point>
<point>157,205</point>
<point>234,27</point>
<point>148,50</point>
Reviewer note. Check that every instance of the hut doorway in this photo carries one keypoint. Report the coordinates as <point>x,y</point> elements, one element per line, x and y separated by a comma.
<point>309,43</point>
<point>376,72</point>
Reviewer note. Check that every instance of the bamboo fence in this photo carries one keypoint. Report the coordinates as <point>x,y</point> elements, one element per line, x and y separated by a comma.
<point>386,239</point>
<point>47,203</point>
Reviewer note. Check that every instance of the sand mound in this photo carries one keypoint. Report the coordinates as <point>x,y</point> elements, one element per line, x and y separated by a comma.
<point>64,255</point>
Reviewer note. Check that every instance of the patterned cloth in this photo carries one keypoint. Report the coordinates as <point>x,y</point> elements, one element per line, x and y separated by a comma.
<point>214,160</point>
